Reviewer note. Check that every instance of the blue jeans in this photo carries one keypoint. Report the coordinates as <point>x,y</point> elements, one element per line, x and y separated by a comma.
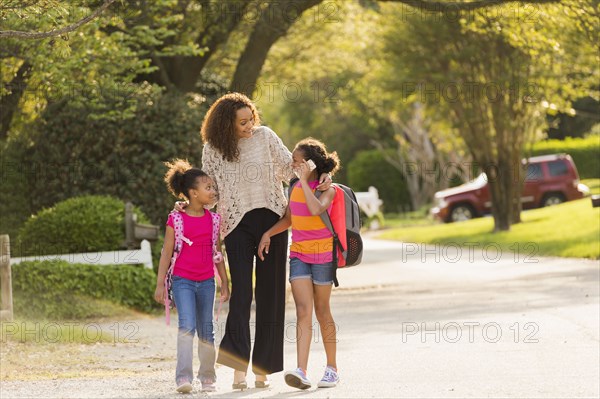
<point>195,304</point>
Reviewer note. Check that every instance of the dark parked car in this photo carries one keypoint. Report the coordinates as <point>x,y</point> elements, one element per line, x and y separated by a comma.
<point>550,180</point>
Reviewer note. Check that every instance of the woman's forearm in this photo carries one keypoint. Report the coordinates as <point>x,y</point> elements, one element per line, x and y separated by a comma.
<point>282,224</point>
<point>315,206</point>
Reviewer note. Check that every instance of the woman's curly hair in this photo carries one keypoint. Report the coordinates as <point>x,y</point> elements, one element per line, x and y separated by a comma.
<point>218,127</point>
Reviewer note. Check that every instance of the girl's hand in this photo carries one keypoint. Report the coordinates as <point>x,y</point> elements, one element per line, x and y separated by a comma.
<point>225,293</point>
<point>304,171</point>
<point>324,182</point>
<point>180,206</point>
<point>265,243</point>
<point>159,294</point>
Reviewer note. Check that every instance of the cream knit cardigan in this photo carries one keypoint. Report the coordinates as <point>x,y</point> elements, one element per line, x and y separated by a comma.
<point>254,181</point>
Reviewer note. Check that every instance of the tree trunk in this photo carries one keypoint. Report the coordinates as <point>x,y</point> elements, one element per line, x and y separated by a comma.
<point>10,102</point>
<point>519,179</point>
<point>273,24</point>
<point>501,190</point>
<point>182,72</point>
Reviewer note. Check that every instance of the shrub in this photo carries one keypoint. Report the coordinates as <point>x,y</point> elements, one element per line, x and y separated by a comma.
<point>81,224</point>
<point>585,153</point>
<point>59,290</point>
<point>369,168</point>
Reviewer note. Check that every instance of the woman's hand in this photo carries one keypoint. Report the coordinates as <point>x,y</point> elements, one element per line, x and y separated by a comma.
<point>324,182</point>
<point>180,206</point>
<point>225,293</point>
<point>159,294</point>
<point>265,243</point>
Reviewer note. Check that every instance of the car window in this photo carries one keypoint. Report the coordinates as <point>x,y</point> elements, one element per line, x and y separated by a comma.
<point>534,172</point>
<point>558,168</point>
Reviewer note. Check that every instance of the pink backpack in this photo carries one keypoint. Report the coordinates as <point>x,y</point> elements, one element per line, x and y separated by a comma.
<point>179,240</point>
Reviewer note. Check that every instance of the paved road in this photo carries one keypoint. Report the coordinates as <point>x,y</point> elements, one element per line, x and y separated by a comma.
<point>418,321</point>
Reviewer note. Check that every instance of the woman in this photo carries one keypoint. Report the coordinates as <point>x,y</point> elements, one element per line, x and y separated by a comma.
<point>249,163</point>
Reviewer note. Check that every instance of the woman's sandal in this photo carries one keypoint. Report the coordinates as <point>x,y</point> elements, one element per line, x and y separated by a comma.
<point>240,385</point>
<point>262,384</point>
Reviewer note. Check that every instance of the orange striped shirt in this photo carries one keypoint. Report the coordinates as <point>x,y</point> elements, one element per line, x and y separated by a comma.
<point>312,242</point>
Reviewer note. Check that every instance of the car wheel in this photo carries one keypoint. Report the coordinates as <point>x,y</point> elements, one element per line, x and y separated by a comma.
<point>553,199</point>
<point>461,212</point>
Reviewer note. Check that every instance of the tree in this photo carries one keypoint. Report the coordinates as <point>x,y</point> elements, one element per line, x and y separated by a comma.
<point>60,31</point>
<point>422,156</point>
<point>176,46</point>
<point>492,75</point>
<point>323,91</point>
<point>83,66</point>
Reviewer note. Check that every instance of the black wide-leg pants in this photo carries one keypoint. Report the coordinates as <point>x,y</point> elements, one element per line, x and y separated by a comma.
<point>242,245</point>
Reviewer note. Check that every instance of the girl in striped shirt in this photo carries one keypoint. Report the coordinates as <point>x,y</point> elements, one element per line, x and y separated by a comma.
<point>311,266</point>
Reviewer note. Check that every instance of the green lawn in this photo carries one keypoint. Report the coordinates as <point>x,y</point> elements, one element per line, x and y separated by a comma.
<point>571,229</point>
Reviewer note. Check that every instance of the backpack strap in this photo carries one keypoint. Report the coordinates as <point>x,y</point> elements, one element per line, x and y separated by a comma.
<point>291,187</point>
<point>217,255</point>
<point>179,239</point>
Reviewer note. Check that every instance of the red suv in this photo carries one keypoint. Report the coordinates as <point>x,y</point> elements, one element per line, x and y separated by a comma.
<point>550,180</point>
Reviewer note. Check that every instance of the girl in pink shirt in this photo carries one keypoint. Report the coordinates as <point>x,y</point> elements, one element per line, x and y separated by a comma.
<point>193,283</point>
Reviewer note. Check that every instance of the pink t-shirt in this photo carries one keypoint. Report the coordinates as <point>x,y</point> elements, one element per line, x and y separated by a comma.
<point>195,262</point>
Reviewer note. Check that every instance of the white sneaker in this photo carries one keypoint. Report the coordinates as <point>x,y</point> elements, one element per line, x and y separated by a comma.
<point>330,378</point>
<point>297,379</point>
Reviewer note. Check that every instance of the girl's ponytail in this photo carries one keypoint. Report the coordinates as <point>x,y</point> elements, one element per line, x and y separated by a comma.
<point>331,163</point>
<point>181,177</point>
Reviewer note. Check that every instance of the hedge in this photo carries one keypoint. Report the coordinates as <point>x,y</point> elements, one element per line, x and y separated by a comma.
<point>82,224</point>
<point>55,289</point>
<point>369,168</point>
<point>584,151</point>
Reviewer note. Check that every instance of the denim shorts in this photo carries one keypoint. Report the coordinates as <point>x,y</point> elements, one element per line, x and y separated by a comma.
<point>319,273</point>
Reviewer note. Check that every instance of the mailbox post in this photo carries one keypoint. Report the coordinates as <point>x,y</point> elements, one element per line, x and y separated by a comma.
<point>6,302</point>
<point>136,232</point>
